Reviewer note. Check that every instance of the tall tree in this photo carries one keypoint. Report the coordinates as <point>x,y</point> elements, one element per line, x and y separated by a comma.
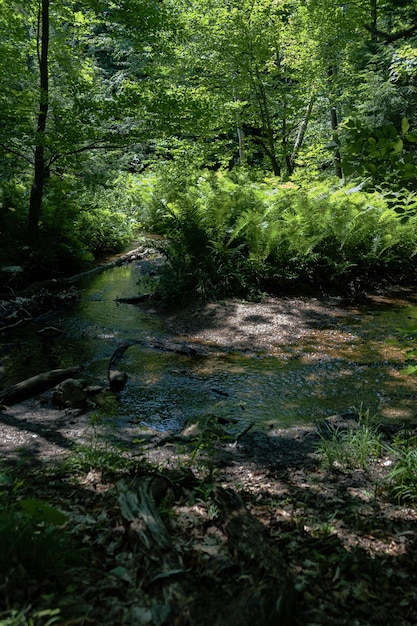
<point>66,96</point>
<point>41,168</point>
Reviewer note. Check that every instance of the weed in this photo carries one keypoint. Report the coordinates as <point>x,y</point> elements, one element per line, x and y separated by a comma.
<point>402,478</point>
<point>27,617</point>
<point>209,434</point>
<point>102,455</point>
<point>351,447</point>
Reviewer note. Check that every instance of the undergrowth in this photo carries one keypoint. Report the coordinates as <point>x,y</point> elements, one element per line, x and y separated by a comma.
<point>403,475</point>
<point>231,233</point>
<point>351,447</point>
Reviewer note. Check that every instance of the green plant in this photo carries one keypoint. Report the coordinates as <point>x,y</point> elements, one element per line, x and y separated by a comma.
<point>402,478</point>
<point>38,556</point>
<point>233,234</point>
<point>351,447</point>
<point>100,452</point>
<point>385,153</point>
<point>28,617</point>
<point>100,455</point>
<point>206,434</point>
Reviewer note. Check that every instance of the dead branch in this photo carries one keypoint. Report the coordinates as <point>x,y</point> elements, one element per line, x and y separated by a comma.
<point>36,384</point>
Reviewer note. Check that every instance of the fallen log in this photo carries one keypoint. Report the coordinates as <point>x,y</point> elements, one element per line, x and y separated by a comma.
<point>118,378</point>
<point>36,384</point>
<point>135,299</point>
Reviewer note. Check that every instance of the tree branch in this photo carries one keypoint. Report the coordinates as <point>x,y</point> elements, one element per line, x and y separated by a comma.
<point>92,146</point>
<point>16,153</point>
<point>402,34</point>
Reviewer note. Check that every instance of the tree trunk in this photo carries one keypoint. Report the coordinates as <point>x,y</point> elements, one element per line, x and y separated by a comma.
<point>337,160</point>
<point>267,128</point>
<point>300,135</point>
<point>41,170</point>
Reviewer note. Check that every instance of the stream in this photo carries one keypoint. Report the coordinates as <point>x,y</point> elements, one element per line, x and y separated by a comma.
<point>355,361</point>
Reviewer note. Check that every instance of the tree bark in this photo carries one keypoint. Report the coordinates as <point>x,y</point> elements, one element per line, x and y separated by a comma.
<point>41,170</point>
<point>36,384</point>
<point>300,135</point>
<point>337,159</point>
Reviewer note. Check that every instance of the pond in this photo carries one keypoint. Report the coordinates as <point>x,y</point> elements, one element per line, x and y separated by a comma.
<point>354,360</point>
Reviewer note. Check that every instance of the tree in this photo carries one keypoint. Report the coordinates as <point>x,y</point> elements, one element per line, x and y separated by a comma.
<point>72,104</point>
<point>41,167</point>
<point>236,75</point>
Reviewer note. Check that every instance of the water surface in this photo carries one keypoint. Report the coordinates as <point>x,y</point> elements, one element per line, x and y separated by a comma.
<point>357,361</point>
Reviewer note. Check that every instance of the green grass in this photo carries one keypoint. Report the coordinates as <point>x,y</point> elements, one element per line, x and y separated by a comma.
<point>402,478</point>
<point>351,448</point>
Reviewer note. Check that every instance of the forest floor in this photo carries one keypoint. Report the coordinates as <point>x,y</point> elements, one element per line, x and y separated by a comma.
<point>153,535</point>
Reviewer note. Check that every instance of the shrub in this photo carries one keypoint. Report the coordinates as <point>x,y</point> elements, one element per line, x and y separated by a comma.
<point>231,234</point>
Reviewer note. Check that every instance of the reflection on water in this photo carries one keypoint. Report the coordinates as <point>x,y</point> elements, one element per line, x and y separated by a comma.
<point>332,370</point>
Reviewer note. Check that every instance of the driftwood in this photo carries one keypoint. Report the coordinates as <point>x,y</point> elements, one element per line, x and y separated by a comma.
<point>36,384</point>
<point>117,378</point>
<point>135,299</point>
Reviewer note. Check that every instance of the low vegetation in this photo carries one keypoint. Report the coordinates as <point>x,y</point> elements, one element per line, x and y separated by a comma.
<point>344,527</point>
<point>238,234</point>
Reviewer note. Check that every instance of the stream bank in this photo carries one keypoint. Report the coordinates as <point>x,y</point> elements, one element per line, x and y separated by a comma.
<point>350,552</point>
<point>280,364</point>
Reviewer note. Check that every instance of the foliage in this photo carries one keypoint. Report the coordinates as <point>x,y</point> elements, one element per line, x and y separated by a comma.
<point>33,544</point>
<point>242,234</point>
<point>402,478</point>
<point>207,83</point>
<point>385,153</point>
<point>28,617</point>
<point>351,447</point>
<point>208,434</point>
<point>99,454</point>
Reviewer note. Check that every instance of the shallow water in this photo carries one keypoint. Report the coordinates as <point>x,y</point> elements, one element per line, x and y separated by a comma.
<point>356,362</point>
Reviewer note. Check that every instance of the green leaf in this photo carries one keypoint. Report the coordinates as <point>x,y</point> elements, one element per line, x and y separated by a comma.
<point>397,146</point>
<point>410,369</point>
<point>405,125</point>
<point>370,167</point>
<point>39,511</point>
<point>122,573</point>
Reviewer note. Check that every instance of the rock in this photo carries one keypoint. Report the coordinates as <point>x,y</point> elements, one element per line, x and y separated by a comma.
<point>71,393</point>
<point>335,423</point>
<point>117,380</point>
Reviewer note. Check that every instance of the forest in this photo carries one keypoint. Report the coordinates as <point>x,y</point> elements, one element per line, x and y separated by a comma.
<point>264,149</point>
<point>271,143</point>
